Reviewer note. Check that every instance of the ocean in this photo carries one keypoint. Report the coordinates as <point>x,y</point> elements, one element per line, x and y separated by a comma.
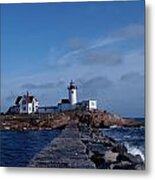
<point>17,148</point>
<point>132,138</point>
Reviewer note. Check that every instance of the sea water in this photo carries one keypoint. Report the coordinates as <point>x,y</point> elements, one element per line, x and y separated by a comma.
<point>17,148</point>
<point>132,138</point>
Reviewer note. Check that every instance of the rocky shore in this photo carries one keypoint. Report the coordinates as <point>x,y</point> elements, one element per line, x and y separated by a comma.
<point>98,119</point>
<point>107,153</point>
<point>22,122</point>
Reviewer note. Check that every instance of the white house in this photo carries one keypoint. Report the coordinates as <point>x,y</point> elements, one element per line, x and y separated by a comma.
<point>27,104</point>
<point>89,104</point>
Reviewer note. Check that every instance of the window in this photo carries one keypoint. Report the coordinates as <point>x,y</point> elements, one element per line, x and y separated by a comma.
<point>92,103</point>
<point>24,102</point>
<point>24,108</point>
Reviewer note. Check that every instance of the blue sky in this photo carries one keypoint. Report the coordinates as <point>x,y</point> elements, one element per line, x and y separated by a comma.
<point>99,45</point>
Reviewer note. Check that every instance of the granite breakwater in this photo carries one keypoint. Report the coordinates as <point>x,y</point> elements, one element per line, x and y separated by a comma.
<point>81,146</point>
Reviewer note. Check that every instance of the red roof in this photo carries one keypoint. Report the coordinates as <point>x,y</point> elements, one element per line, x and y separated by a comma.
<point>30,99</point>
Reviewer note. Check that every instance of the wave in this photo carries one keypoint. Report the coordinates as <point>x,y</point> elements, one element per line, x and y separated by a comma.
<point>114,126</point>
<point>134,150</point>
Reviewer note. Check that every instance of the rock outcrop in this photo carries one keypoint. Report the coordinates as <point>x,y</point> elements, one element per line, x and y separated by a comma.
<point>99,119</point>
<point>106,119</point>
<point>34,121</point>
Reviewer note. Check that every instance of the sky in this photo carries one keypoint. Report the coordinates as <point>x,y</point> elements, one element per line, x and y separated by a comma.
<point>99,45</point>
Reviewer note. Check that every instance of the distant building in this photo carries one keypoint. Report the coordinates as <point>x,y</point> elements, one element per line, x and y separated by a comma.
<point>29,104</point>
<point>65,105</point>
<point>48,109</point>
<point>71,103</point>
<point>13,109</point>
<point>25,104</point>
<point>89,104</point>
<point>72,90</point>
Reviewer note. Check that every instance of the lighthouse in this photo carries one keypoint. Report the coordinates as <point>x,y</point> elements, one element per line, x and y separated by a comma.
<point>72,90</point>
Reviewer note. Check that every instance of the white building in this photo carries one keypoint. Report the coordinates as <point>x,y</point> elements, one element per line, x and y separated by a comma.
<point>13,109</point>
<point>29,104</point>
<point>72,91</point>
<point>25,104</point>
<point>65,105</point>
<point>71,103</point>
<point>48,109</point>
<point>89,104</point>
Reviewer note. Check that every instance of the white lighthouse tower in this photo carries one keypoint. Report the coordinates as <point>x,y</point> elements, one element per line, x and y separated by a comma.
<point>72,90</point>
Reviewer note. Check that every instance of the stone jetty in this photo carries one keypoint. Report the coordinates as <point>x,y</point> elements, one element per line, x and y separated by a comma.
<point>66,151</point>
<point>82,146</point>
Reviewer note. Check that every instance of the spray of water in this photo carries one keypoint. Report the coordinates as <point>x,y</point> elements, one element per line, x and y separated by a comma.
<point>134,150</point>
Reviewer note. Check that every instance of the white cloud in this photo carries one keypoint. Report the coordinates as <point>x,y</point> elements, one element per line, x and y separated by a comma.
<point>80,48</point>
<point>130,31</point>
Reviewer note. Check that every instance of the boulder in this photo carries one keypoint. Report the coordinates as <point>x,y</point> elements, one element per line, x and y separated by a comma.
<point>100,162</point>
<point>110,156</point>
<point>140,166</point>
<point>122,165</point>
<point>130,158</point>
<point>119,148</point>
<point>96,148</point>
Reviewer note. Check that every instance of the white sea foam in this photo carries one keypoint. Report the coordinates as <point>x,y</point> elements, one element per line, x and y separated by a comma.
<point>113,126</point>
<point>134,150</point>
